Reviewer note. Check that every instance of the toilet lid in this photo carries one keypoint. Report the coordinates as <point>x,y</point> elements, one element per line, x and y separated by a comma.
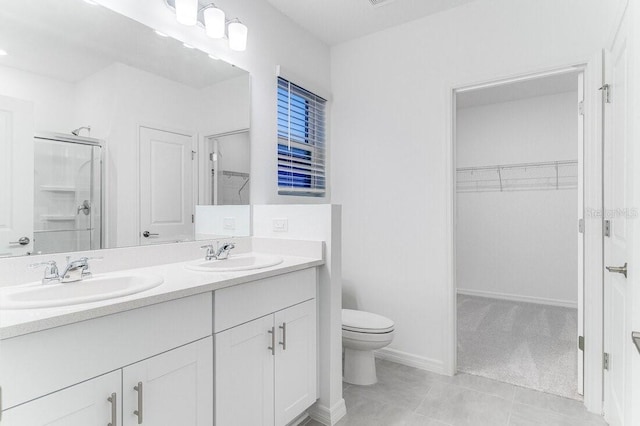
<point>365,322</point>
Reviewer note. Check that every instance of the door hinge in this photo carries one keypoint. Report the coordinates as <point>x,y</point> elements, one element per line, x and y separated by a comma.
<point>606,93</point>
<point>193,219</point>
<point>581,343</point>
<point>607,228</point>
<point>606,363</point>
<point>193,155</point>
<point>581,107</point>
<point>211,156</point>
<point>581,225</point>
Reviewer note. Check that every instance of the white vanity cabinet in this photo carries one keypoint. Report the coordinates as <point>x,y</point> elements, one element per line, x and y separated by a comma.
<point>65,375</point>
<point>266,351</point>
<point>94,402</point>
<point>174,388</point>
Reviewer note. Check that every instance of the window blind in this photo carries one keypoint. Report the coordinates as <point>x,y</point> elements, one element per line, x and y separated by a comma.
<point>301,141</point>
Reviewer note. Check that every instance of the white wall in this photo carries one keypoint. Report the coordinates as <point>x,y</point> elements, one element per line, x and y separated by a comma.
<point>273,40</point>
<point>390,145</point>
<point>52,99</point>
<point>520,245</point>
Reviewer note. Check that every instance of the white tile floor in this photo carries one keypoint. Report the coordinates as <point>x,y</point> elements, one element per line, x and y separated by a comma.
<point>410,397</point>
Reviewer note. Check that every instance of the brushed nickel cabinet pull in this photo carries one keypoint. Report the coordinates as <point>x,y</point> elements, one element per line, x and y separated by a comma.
<point>272,348</point>
<point>283,327</point>
<point>114,409</point>
<point>138,412</point>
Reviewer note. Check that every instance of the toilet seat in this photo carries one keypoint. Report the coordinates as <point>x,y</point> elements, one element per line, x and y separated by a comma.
<point>365,322</point>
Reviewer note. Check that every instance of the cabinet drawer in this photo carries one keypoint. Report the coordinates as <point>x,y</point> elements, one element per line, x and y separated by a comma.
<point>40,363</point>
<point>245,302</point>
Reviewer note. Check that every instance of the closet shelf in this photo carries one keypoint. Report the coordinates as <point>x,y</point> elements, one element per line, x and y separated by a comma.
<point>551,175</point>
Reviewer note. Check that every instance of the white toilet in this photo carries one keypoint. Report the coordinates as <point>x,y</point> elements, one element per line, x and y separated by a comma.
<point>363,333</point>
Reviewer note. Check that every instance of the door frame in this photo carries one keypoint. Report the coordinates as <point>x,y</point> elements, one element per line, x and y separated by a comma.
<point>593,236</point>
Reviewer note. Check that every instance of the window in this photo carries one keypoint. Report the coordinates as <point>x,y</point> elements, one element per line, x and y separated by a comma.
<point>301,141</point>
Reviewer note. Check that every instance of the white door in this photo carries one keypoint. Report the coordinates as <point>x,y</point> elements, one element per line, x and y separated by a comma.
<point>295,369</point>
<point>166,186</point>
<point>244,374</point>
<point>88,403</point>
<point>175,388</point>
<point>616,203</point>
<point>16,176</point>
<point>580,283</point>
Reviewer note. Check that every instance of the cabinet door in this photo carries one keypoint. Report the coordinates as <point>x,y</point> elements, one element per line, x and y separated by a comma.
<point>295,371</point>
<point>177,387</point>
<point>84,404</point>
<point>244,374</point>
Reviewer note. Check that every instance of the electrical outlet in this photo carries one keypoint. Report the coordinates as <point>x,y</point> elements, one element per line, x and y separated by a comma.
<point>280,225</point>
<point>229,223</point>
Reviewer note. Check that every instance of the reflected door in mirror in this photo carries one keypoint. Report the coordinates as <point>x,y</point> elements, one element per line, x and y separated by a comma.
<point>16,176</point>
<point>166,186</point>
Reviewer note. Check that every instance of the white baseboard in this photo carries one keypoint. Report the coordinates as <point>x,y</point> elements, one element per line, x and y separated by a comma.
<point>328,416</point>
<point>519,298</point>
<point>404,358</point>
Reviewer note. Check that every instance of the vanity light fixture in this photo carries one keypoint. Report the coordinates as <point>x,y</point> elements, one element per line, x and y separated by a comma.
<point>187,11</point>
<point>213,20</point>
<point>238,36</point>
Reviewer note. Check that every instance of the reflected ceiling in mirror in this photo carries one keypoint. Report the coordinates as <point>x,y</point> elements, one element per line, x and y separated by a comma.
<point>149,118</point>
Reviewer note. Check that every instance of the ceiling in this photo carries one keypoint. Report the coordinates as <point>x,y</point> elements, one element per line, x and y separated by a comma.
<point>337,21</point>
<point>70,40</point>
<point>543,86</point>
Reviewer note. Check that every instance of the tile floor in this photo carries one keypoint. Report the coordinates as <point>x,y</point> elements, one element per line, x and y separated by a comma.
<point>410,397</point>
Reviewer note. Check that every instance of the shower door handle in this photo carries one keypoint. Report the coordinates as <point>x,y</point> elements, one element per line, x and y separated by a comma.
<point>148,234</point>
<point>22,241</point>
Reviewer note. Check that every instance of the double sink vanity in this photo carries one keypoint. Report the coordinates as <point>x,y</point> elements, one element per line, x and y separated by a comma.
<point>198,342</point>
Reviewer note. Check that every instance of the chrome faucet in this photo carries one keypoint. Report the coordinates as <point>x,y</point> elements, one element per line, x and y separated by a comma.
<point>76,270</point>
<point>50,271</point>
<point>219,253</point>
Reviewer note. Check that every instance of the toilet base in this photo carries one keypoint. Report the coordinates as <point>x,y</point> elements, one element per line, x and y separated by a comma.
<point>359,367</point>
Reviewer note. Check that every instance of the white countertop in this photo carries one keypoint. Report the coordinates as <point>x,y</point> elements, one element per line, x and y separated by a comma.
<point>178,282</point>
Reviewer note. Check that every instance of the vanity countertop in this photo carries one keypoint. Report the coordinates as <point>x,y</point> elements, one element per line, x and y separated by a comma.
<point>178,282</point>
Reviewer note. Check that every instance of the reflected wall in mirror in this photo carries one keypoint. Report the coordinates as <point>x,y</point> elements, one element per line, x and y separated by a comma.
<point>110,133</point>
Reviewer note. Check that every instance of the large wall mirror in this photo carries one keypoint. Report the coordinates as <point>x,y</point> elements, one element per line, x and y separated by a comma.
<point>111,133</point>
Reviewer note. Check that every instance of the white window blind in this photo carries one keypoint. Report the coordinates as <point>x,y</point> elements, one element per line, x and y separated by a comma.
<point>301,141</point>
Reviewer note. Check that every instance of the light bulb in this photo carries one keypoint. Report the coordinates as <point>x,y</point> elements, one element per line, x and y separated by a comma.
<point>214,22</point>
<point>187,11</point>
<point>238,36</point>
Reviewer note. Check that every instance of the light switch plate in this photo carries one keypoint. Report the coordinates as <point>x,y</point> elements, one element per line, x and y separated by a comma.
<point>229,223</point>
<point>281,225</point>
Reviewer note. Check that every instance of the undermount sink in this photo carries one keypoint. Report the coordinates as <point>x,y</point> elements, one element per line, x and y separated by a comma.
<point>240,262</point>
<point>96,288</point>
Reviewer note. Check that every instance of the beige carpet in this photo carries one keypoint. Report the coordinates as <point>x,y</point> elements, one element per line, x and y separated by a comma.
<point>524,344</point>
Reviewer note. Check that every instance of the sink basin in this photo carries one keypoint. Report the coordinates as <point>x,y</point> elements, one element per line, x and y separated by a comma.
<point>96,288</point>
<point>240,262</point>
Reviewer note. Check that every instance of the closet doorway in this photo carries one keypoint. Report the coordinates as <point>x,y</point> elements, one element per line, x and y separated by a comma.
<point>519,250</point>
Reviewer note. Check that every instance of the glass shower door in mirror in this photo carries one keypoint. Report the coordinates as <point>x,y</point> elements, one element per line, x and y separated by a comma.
<point>67,194</point>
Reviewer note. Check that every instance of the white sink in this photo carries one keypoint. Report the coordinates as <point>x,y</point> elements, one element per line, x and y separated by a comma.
<point>240,262</point>
<point>96,288</point>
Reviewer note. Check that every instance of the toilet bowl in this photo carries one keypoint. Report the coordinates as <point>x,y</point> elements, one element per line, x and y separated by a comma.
<point>363,333</point>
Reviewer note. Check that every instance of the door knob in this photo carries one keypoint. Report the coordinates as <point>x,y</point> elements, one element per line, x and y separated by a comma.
<point>148,234</point>
<point>22,241</point>
<point>619,269</point>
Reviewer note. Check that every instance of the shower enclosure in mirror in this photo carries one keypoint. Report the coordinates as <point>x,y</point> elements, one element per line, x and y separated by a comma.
<point>67,193</point>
